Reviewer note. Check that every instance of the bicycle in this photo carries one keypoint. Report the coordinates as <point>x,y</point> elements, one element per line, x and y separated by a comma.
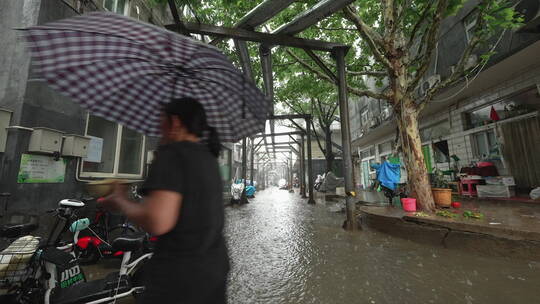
<point>53,274</point>
<point>91,248</point>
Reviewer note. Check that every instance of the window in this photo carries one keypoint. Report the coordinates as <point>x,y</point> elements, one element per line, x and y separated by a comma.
<point>116,6</point>
<point>441,153</point>
<point>386,110</point>
<point>364,117</point>
<point>515,105</point>
<point>120,150</point>
<point>386,148</point>
<point>486,145</point>
<point>367,153</point>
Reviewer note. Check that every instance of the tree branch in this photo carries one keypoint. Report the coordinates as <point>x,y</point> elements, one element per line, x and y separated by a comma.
<point>372,38</point>
<point>323,76</point>
<point>297,125</point>
<point>317,137</point>
<point>297,110</point>
<point>459,71</point>
<point>423,18</point>
<point>335,28</point>
<point>429,40</point>
<point>401,10</point>
<point>368,73</point>
<point>389,15</point>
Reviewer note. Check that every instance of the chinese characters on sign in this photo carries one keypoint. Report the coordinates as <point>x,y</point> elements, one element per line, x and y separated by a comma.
<point>41,169</point>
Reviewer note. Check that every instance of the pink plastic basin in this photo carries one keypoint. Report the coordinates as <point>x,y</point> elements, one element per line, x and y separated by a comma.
<point>409,204</point>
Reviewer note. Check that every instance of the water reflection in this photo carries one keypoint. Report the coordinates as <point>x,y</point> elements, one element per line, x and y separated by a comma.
<point>285,251</point>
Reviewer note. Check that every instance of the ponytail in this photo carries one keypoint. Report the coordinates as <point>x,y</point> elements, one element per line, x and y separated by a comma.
<point>213,141</point>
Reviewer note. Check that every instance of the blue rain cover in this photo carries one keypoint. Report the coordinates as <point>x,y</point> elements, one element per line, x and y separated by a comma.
<point>250,190</point>
<point>388,174</point>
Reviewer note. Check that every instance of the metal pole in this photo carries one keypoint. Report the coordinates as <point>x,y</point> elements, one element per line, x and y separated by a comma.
<point>350,223</point>
<point>251,175</point>
<point>291,174</point>
<point>311,200</point>
<point>243,198</point>
<point>302,168</point>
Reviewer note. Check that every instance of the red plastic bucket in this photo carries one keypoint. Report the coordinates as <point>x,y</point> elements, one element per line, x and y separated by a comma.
<point>409,204</point>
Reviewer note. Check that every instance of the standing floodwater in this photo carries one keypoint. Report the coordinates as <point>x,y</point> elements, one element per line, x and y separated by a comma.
<point>285,251</point>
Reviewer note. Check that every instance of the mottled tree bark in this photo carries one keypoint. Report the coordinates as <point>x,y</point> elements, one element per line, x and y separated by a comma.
<point>418,179</point>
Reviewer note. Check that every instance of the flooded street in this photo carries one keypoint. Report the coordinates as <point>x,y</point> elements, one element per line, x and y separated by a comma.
<point>285,251</point>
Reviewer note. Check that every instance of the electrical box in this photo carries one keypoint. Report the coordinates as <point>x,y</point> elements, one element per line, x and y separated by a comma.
<point>75,145</point>
<point>45,140</point>
<point>5,118</point>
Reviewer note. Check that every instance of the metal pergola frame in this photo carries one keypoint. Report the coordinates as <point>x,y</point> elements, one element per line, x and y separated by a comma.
<point>283,36</point>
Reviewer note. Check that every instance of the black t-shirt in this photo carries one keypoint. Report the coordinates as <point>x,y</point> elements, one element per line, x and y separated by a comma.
<point>191,170</point>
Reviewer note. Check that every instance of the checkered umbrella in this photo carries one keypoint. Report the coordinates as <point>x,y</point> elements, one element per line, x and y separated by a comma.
<point>124,71</point>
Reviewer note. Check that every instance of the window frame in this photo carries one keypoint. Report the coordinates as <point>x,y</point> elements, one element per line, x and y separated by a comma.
<point>127,6</point>
<point>116,164</point>
<point>365,110</point>
<point>485,138</point>
<point>469,23</point>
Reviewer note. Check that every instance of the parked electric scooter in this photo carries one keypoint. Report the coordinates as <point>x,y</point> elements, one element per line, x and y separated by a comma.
<point>57,278</point>
<point>236,192</point>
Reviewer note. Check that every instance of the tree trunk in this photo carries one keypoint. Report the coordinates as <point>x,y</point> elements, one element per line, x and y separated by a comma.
<point>329,154</point>
<point>418,179</point>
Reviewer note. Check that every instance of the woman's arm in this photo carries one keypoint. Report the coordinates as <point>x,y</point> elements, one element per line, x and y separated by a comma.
<point>158,213</point>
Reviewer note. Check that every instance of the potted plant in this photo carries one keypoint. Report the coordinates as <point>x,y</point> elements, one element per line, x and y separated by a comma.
<point>442,193</point>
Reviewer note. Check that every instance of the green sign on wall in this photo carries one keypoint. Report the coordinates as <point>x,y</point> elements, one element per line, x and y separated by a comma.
<point>41,169</point>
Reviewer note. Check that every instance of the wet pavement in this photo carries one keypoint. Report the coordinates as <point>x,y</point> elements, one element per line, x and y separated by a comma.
<point>285,251</point>
<point>510,214</point>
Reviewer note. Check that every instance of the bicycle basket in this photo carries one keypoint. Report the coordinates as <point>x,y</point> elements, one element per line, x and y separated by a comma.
<point>15,259</point>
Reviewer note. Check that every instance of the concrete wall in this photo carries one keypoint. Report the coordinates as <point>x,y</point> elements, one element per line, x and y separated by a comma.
<point>14,60</point>
<point>34,104</point>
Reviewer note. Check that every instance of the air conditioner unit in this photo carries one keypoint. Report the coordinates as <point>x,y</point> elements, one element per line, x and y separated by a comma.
<point>530,10</point>
<point>429,83</point>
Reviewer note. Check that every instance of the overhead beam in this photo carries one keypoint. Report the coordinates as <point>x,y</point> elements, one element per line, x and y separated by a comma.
<point>294,139</point>
<point>310,17</point>
<point>259,15</point>
<point>281,143</point>
<point>290,116</point>
<point>279,134</point>
<point>262,13</point>
<point>265,54</point>
<point>176,17</point>
<point>265,38</point>
<point>322,65</point>
<point>243,54</point>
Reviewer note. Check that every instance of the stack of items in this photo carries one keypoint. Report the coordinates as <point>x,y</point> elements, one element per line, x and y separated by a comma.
<point>498,186</point>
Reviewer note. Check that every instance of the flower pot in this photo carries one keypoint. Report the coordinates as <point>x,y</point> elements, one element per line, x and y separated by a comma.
<point>442,197</point>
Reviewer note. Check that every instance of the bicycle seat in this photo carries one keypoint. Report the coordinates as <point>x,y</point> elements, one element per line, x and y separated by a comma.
<point>17,230</point>
<point>129,242</point>
<point>71,203</point>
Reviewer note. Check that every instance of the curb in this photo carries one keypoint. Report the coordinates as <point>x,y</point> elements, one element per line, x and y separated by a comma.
<point>487,241</point>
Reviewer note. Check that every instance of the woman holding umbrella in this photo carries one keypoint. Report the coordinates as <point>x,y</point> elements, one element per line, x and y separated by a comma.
<point>183,205</point>
<point>159,83</point>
